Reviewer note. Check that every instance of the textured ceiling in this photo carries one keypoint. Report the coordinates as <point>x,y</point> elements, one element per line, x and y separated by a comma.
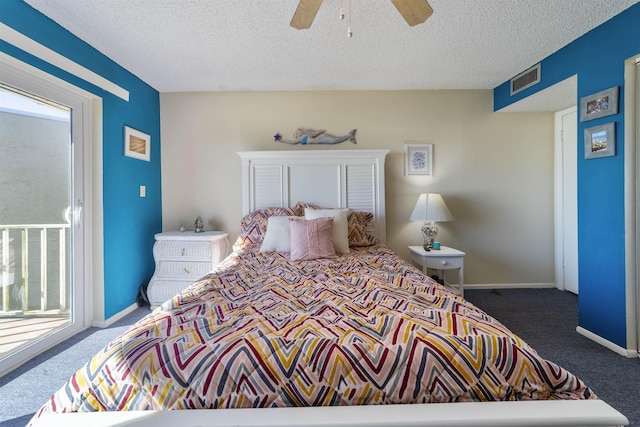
<point>247,45</point>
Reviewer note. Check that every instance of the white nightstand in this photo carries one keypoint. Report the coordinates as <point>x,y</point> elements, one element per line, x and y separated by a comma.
<point>181,259</point>
<point>444,259</point>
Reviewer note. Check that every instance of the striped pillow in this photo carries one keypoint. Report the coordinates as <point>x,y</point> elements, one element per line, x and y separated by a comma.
<point>358,236</point>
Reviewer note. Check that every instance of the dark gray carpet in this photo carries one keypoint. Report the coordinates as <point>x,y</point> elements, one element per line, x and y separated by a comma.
<point>544,318</point>
<point>547,319</point>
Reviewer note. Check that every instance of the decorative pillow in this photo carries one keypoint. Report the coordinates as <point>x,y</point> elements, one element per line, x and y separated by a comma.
<point>299,208</point>
<point>253,227</point>
<point>278,238</point>
<point>358,236</point>
<point>311,239</point>
<point>340,225</point>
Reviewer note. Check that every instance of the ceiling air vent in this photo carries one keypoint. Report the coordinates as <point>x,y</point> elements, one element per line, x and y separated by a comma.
<point>525,79</point>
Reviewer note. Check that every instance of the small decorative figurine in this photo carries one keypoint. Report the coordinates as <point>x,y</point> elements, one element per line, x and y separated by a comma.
<point>198,225</point>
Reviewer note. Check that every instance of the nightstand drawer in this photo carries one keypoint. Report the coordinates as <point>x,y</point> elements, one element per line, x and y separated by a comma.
<point>183,269</point>
<point>443,263</point>
<point>187,249</point>
<point>166,289</point>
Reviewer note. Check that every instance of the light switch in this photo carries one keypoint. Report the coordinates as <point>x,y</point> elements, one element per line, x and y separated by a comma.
<point>143,191</point>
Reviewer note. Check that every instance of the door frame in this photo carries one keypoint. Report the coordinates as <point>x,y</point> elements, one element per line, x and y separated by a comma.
<point>631,196</point>
<point>31,79</point>
<point>558,199</point>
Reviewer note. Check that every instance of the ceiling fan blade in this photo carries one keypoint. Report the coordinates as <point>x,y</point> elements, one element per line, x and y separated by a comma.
<point>305,14</point>
<point>413,11</point>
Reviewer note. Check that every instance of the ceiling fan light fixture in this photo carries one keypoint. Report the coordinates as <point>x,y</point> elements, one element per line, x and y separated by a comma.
<point>414,12</point>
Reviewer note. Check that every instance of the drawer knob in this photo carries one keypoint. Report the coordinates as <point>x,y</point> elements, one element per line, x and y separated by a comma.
<point>183,251</point>
<point>445,262</point>
<point>186,270</point>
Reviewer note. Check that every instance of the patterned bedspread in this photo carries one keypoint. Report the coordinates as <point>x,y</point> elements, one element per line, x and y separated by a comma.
<point>363,328</point>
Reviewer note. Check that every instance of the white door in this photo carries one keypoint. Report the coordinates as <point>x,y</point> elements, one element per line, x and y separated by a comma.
<point>42,133</point>
<point>566,152</point>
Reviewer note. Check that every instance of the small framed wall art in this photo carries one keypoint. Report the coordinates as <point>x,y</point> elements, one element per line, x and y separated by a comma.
<point>600,141</point>
<point>418,159</point>
<point>601,104</point>
<point>137,144</point>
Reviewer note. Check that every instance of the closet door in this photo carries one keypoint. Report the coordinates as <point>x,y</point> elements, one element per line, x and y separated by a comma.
<point>566,152</point>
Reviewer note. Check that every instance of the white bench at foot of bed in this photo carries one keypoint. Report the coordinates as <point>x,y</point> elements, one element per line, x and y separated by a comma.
<point>488,414</point>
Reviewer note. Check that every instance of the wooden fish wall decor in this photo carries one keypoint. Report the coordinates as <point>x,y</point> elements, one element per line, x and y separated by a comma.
<point>312,136</point>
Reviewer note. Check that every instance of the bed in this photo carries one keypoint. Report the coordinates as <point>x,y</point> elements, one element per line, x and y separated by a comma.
<point>319,333</point>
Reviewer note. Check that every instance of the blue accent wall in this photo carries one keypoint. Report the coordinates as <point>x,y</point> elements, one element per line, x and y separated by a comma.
<point>130,222</point>
<point>597,58</point>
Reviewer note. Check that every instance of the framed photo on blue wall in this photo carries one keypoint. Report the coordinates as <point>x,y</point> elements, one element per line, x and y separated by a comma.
<point>137,144</point>
<point>600,104</point>
<point>600,141</point>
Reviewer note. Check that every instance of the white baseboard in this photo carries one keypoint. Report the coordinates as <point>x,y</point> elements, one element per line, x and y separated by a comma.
<point>113,319</point>
<point>510,286</point>
<point>631,354</point>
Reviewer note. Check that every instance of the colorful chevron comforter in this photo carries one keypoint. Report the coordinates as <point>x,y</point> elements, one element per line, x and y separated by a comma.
<point>362,328</point>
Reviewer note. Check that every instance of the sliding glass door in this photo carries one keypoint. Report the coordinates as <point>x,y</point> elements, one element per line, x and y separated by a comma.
<point>40,218</point>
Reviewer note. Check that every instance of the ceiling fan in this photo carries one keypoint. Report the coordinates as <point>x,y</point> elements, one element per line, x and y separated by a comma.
<point>413,11</point>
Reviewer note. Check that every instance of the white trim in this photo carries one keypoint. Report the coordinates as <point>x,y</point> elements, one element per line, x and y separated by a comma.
<point>23,42</point>
<point>97,216</point>
<point>637,126</point>
<point>510,286</point>
<point>630,353</point>
<point>478,414</point>
<point>557,193</point>
<point>631,211</point>
<point>113,319</point>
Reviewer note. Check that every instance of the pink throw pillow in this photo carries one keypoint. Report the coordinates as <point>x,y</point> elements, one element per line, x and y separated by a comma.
<point>312,239</point>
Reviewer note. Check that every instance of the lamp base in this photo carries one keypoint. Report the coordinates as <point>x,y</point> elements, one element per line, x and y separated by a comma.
<point>429,233</point>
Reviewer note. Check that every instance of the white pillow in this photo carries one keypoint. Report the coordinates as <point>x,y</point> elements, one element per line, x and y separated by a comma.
<point>340,225</point>
<point>278,237</point>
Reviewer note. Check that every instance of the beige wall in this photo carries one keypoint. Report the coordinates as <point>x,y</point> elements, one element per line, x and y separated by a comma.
<point>494,170</point>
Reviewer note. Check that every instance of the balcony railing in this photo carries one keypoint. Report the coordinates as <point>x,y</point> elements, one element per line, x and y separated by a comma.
<point>33,268</point>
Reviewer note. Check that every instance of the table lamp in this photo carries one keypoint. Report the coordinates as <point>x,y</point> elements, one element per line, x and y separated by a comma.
<point>430,209</point>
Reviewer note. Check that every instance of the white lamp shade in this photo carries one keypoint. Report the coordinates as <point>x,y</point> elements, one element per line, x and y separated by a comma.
<point>431,207</point>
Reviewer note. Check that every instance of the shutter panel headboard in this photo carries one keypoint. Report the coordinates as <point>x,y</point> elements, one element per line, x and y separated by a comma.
<point>351,179</point>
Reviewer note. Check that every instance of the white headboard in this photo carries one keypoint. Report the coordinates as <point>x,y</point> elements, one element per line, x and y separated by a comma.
<point>328,178</point>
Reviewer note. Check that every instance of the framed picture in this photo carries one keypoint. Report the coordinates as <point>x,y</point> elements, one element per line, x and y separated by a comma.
<point>601,104</point>
<point>600,141</point>
<point>137,144</point>
<point>418,159</point>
